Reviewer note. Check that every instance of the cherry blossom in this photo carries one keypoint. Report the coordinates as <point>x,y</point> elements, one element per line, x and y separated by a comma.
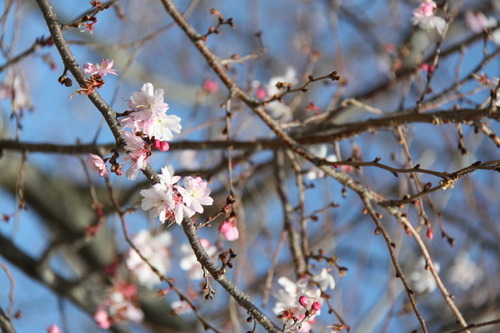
<point>137,154</point>
<point>195,193</point>
<point>229,230</point>
<point>118,305</point>
<point>102,69</point>
<point>96,163</point>
<point>324,280</point>
<point>148,99</point>
<point>424,16</point>
<point>158,201</point>
<point>170,201</point>
<point>292,298</point>
<point>295,299</point>
<point>155,249</point>
<point>148,114</point>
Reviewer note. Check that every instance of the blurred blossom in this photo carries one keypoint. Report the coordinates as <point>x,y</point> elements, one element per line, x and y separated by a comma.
<point>102,69</point>
<point>155,249</point>
<point>97,164</point>
<point>189,262</point>
<point>288,298</point>
<point>180,307</point>
<point>319,150</point>
<point>118,305</point>
<point>421,279</point>
<point>210,86</point>
<point>229,230</point>
<point>424,16</point>
<point>278,109</point>
<point>16,89</point>
<point>324,279</point>
<point>477,22</point>
<point>464,272</point>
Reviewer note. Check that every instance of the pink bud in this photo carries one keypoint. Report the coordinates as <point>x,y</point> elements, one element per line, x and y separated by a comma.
<point>261,94</point>
<point>53,329</point>
<point>316,306</point>
<point>210,86</point>
<point>161,145</point>
<point>303,301</point>
<point>429,233</point>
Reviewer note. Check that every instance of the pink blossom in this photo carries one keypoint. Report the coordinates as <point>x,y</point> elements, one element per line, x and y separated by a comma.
<point>159,201</point>
<point>161,126</point>
<point>210,86</point>
<point>195,193</point>
<point>137,154</point>
<point>96,163</point>
<point>167,179</point>
<point>229,230</point>
<point>478,22</point>
<point>170,201</point>
<point>102,69</point>
<point>54,329</point>
<point>148,99</point>
<point>425,17</point>
<point>149,114</point>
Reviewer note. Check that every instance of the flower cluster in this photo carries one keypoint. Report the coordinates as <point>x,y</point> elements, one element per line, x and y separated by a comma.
<point>170,201</point>
<point>97,72</point>
<point>118,305</point>
<point>151,126</point>
<point>425,17</point>
<point>301,301</point>
<point>155,249</point>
